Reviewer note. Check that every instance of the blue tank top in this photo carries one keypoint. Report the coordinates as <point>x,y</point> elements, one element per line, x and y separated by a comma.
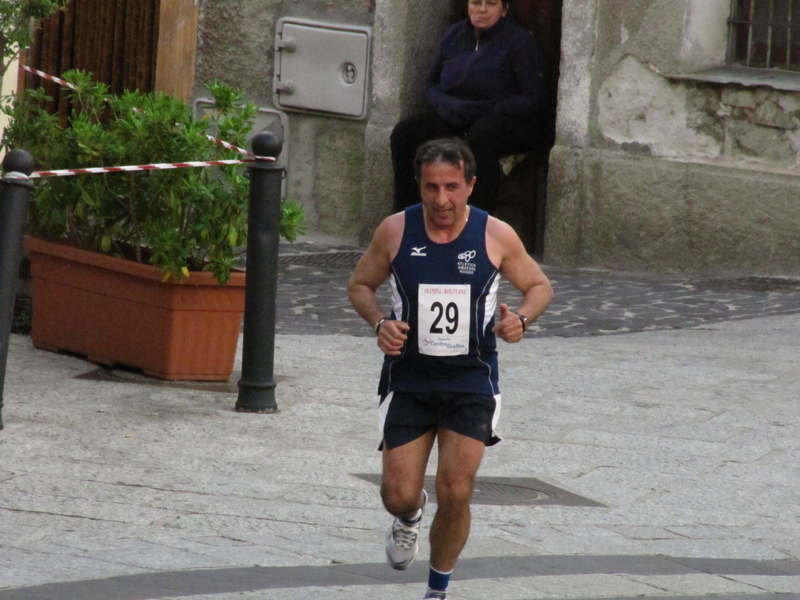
<point>447,293</point>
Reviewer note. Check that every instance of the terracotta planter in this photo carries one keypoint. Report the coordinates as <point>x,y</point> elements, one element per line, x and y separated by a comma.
<point>115,311</point>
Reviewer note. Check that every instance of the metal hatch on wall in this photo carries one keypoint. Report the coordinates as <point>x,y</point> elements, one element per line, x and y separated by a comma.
<point>322,67</point>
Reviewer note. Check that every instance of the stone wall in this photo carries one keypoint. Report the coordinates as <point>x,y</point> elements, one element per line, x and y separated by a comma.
<point>235,44</point>
<point>641,111</point>
<point>656,172</point>
<point>338,169</point>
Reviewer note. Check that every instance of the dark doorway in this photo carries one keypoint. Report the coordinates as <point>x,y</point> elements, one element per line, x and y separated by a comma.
<point>523,193</point>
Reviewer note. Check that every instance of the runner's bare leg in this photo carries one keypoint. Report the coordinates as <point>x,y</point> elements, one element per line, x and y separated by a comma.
<point>459,459</point>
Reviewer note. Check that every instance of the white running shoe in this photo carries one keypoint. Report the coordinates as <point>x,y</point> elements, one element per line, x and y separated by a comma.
<point>435,595</point>
<point>401,541</point>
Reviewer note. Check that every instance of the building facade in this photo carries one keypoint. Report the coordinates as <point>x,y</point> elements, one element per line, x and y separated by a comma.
<point>671,157</point>
<point>677,141</point>
<point>338,168</point>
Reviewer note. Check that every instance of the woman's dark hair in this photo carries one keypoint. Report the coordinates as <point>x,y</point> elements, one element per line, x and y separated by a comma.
<point>505,3</point>
<point>453,151</point>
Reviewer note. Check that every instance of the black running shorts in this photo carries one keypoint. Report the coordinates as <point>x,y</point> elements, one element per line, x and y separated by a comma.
<point>406,416</point>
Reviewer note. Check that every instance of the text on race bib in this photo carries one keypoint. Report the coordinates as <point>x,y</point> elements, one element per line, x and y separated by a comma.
<point>443,319</point>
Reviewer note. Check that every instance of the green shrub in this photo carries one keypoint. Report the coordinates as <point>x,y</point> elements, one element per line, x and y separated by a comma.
<point>180,220</point>
<point>17,18</point>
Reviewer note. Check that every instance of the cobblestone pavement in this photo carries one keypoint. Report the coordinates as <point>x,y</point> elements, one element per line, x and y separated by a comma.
<point>312,298</point>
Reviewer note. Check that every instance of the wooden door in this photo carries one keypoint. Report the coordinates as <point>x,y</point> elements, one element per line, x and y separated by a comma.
<point>115,40</point>
<point>145,45</point>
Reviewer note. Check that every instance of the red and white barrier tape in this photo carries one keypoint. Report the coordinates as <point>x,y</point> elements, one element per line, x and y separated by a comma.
<point>227,145</point>
<point>210,138</point>
<point>153,167</point>
<point>43,75</point>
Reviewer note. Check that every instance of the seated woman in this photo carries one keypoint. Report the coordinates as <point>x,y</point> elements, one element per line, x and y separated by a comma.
<point>486,84</point>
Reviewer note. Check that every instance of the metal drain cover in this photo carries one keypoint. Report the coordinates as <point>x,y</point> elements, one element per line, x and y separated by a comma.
<point>332,260</point>
<point>486,492</point>
<point>507,491</point>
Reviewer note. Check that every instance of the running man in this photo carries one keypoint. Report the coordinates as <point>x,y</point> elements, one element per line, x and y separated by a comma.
<point>444,260</point>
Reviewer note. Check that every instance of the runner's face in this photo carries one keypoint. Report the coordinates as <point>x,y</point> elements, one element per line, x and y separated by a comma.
<point>485,13</point>
<point>444,194</point>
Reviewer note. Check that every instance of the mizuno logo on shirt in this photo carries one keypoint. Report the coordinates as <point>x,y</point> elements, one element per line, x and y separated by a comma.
<point>418,251</point>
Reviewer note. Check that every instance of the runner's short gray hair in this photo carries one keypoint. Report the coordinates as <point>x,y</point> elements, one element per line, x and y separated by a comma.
<point>453,151</point>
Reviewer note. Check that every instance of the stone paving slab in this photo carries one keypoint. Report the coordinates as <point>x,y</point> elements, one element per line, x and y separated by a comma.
<point>687,434</point>
<point>553,571</point>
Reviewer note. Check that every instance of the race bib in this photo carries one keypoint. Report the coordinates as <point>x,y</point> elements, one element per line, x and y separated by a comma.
<point>443,319</point>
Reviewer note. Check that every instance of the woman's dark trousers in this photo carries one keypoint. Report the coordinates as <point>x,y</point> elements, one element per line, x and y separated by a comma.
<point>489,138</point>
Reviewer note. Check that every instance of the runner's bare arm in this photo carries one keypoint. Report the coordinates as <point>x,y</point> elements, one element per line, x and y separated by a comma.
<point>508,253</point>
<point>372,270</point>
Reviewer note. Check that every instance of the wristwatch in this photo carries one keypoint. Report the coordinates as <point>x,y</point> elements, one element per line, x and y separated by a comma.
<point>525,320</point>
<point>378,325</point>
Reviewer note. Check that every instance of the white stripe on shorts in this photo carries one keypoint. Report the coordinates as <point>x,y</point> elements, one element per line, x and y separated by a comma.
<point>496,415</point>
<point>383,410</point>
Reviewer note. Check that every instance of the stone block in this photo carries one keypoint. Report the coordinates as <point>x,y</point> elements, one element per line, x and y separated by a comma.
<point>565,200</point>
<point>738,98</point>
<point>609,210</point>
<point>761,142</point>
<point>378,190</point>
<point>636,218</point>
<point>771,115</point>
<point>789,103</point>
<point>744,221</point>
<point>339,153</point>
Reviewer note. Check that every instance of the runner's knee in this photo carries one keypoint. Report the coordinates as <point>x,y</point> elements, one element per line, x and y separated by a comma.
<point>400,499</point>
<point>454,488</point>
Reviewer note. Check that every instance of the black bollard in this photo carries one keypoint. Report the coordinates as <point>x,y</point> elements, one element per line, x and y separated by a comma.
<point>16,190</point>
<point>257,385</point>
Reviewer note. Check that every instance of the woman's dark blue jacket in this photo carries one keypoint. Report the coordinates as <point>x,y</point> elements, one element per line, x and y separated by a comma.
<point>502,72</point>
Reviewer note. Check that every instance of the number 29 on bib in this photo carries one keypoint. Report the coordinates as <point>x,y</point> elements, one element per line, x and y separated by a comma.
<point>443,319</point>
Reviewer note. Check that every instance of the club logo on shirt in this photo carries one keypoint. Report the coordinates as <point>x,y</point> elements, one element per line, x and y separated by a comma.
<point>465,264</point>
<point>467,256</point>
<point>418,251</point>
